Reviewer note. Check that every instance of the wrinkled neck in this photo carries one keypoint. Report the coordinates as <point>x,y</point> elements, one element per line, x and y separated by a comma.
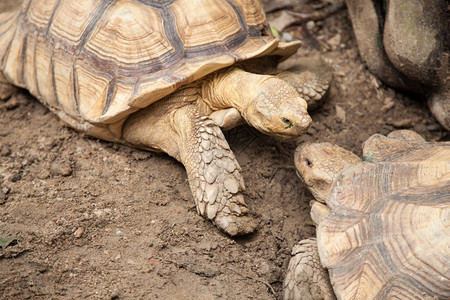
<point>232,88</point>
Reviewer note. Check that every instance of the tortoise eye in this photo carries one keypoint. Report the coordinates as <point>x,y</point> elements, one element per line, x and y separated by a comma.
<point>308,163</point>
<point>288,124</point>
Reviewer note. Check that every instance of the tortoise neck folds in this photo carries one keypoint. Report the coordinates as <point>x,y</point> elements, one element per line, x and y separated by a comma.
<point>232,87</point>
<point>266,102</point>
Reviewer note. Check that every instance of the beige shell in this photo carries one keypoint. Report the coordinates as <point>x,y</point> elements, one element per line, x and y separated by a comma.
<point>100,60</point>
<point>388,231</point>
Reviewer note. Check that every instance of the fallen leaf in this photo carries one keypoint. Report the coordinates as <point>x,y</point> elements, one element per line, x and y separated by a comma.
<point>5,242</point>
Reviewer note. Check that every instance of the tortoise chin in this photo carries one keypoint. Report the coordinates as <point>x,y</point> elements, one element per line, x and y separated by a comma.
<point>284,135</point>
<point>286,127</point>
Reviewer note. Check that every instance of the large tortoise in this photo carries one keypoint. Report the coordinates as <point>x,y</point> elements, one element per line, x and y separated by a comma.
<point>385,232</point>
<point>160,75</point>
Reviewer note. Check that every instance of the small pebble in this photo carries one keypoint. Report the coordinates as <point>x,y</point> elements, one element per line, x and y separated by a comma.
<point>287,37</point>
<point>16,177</point>
<point>204,245</point>
<point>404,123</point>
<point>141,155</point>
<point>268,270</point>
<point>61,168</point>
<point>335,41</point>
<point>340,114</point>
<point>310,25</point>
<point>79,232</point>
<point>115,295</point>
<point>5,151</point>
<point>387,104</point>
<point>43,174</point>
<point>3,197</point>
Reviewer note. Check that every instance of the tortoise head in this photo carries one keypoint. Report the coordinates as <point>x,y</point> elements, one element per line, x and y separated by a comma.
<point>265,102</point>
<point>275,108</point>
<point>320,164</point>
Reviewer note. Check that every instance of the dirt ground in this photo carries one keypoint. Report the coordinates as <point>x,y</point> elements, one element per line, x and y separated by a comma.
<point>97,220</point>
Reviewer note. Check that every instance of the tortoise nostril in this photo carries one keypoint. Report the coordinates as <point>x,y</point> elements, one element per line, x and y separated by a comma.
<point>306,122</point>
<point>308,163</point>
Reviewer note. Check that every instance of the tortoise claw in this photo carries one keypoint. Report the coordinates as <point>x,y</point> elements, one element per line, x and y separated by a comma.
<point>235,225</point>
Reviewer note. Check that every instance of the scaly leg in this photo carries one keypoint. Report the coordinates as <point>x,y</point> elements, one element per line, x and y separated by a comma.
<point>310,76</point>
<point>306,278</point>
<point>178,129</point>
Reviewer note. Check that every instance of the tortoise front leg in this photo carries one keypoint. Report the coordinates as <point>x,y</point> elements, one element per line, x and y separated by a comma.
<point>306,278</point>
<point>198,143</point>
<point>310,76</point>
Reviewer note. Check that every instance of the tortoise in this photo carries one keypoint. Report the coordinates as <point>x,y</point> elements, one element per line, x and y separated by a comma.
<point>384,232</point>
<point>162,76</point>
<point>404,44</point>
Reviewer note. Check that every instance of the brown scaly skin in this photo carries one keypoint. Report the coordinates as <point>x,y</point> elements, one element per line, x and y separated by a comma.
<point>313,281</point>
<point>178,126</point>
<point>310,76</point>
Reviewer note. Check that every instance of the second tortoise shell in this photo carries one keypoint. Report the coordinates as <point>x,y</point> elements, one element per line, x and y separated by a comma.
<point>387,234</point>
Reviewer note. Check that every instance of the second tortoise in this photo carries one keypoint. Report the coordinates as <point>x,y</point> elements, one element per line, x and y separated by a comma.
<point>384,232</point>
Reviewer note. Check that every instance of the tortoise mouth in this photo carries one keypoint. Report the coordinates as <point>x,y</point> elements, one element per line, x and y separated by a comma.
<point>287,135</point>
<point>286,129</point>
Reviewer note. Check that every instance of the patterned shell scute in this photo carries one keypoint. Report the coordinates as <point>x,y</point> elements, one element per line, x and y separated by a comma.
<point>105,59</point>
<point>388,231</point>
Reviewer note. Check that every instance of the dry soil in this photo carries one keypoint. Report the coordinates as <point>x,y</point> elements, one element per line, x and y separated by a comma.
<point>96,220</point>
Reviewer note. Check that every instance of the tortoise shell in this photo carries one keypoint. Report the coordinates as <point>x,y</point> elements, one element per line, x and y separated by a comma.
<point>388,231</point>
<point>99,61</point>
